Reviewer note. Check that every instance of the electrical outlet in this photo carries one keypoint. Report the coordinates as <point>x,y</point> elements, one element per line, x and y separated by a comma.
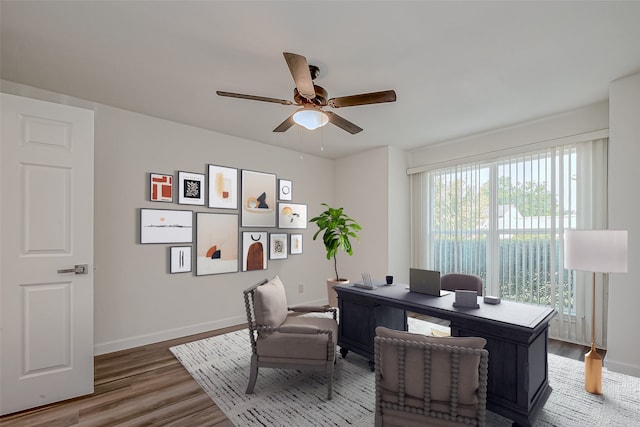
<point>300,288</point>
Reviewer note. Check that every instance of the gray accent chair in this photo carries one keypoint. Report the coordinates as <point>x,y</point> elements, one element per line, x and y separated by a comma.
<point>459,281</point>
<point>429,381</point>
<point>281,338</point>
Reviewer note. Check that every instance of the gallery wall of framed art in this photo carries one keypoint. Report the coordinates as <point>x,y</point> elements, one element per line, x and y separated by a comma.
<point>243,225</point>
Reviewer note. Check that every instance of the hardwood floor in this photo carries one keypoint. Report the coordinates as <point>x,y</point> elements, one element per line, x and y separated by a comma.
<point>147,386</point>
<point>143,386</point>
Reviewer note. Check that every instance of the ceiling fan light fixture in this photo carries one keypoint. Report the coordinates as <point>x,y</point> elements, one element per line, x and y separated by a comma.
<point>310,118</point>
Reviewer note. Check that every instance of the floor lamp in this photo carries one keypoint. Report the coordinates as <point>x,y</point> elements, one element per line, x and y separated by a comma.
<point>597,251</point>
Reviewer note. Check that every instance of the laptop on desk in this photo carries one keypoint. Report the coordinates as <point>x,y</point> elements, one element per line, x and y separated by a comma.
<point>425,282</point>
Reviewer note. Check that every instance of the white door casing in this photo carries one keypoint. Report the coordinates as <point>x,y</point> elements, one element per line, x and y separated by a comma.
<point>46,225</point>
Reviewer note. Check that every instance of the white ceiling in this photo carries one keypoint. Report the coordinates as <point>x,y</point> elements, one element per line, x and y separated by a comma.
<point>458,68</point>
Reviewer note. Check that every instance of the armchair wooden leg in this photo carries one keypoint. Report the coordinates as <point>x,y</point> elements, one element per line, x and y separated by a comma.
<point>253,376</point>
<point>330,381</point>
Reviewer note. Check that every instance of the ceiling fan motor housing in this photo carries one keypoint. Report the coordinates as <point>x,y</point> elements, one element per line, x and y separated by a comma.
<point>321,96</point>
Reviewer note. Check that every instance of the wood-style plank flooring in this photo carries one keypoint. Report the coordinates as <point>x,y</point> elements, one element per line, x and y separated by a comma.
<point>143,386</point>
<point>147,386</point>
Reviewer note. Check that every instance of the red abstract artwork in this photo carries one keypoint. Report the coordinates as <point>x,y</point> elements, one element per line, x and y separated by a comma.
<point>161,188</point>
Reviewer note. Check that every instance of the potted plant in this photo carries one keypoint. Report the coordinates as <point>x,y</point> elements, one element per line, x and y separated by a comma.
<point>336,228</point>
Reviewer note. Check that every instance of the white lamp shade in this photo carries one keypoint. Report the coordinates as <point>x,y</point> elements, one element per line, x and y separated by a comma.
<point>310,118</point>
<point>598,251</point>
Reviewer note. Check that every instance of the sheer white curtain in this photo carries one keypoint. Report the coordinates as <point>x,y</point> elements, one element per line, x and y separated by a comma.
<point>504,220</point>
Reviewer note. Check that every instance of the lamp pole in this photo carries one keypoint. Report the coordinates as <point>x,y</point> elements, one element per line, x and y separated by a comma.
<point>592,360</point>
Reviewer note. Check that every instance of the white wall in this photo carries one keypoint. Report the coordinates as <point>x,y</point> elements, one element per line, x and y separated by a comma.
<point>361,188</point>
<point>399,216</point>
<point>545,131</point>
<point>373,187</point>
<point>136,300</point>
<point>623,348</point>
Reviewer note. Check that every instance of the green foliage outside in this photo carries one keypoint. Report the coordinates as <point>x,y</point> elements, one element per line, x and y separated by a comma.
<point>463,206</point>
<point>524,272</point>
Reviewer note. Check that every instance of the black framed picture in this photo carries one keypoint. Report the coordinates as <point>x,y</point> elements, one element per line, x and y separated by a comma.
<point>258,199</point>
<point>180,259</point>
<point>166,226</point>
<point>216,243</point>
<point>285,190</point>
<point>292,215</point>
<point>278,246</point>
<point>254,250</point>
<point>295,246</point>
<point>161,187</point>
<point>223,187</point>
<point>190,188</point>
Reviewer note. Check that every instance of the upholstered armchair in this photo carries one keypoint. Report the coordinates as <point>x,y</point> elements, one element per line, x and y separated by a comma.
<point>458,281</point>
<point>429,381</point>
<point>281,338</point>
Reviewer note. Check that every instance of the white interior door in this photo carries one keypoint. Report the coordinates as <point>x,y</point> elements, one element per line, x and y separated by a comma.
<point>46,225</point>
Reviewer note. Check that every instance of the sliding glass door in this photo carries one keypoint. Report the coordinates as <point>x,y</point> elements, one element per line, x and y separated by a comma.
<point>504,220</point>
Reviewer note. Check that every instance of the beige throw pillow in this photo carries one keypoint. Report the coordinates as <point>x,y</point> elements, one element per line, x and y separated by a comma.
<point>270,303</point>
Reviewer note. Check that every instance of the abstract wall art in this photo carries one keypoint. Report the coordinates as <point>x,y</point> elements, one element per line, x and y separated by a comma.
<point>180,261</point>
<point>223,187</point>
<point>161,187</point>
<point>285,190</point>
<point>277,246</point>
<point>295,246</point>
<point>166,226</point>
<point>258,199</point>
<point>216,243</point>
<point>254,250</point>
<point>190,188</point>
<point>292,215</point>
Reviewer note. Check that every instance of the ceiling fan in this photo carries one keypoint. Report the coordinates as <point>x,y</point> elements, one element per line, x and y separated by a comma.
<point>312,98</point>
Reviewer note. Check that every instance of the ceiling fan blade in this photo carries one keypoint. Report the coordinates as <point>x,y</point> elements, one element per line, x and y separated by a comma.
<point>301,75</point>
<point>363,99</point>
<point>343,123</point>
<point>284,126</point>
<point>254,97</point>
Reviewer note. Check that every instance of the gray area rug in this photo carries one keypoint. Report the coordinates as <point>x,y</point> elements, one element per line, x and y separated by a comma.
<point>291,398</point>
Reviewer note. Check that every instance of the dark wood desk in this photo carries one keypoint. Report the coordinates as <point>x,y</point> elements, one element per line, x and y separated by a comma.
<point>516,337</point>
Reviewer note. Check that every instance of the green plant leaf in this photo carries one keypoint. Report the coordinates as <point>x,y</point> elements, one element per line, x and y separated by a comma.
<point>336,228</point>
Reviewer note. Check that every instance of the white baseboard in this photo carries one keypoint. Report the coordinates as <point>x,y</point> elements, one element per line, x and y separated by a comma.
<point>621,367</point>
<point>140,340</point>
